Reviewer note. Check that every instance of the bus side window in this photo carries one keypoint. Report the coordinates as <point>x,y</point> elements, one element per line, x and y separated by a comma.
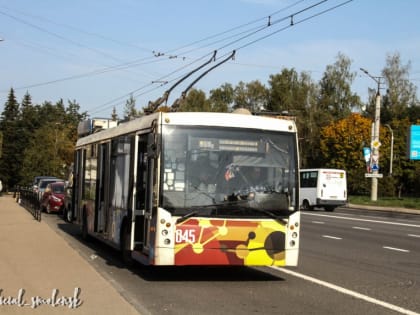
<point>141,173</point>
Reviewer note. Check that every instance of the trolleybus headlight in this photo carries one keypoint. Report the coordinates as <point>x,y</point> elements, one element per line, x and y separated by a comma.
<point>167,241</point>
<point>164,232</point>
<point>292,243</point>
<point>297,224</point>
<point>162,221</point>
<point>294,235</point>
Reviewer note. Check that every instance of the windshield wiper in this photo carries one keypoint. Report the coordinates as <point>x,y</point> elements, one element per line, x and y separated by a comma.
<point>195,212</point>
<point>186,216</point>
<point>270,214</point>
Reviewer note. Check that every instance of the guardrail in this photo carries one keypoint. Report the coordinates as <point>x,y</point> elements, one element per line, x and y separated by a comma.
<point>29,200</point>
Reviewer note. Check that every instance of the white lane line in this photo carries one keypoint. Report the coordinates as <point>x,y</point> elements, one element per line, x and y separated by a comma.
<point>396,249</point>
<point>348,292</point>
<point>361,228</point>
<point>413,235</point>
<point>363,220</point>
<point>318,222</point>
<point>332,237</point>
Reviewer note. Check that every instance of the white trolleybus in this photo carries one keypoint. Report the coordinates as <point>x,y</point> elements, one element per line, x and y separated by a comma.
<point>184,188</point>
<point>322,187</point>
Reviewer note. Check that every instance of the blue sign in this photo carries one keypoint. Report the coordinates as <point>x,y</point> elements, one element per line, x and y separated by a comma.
<point>414,142</point>
<point>375,167</point>
<point>366,154</point>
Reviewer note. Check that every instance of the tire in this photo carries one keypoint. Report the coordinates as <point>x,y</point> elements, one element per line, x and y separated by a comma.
<point>329,208</point>
<point>48,209</point>
<point>306,206</point>
<point>68,215</point>
<point>125,245</point>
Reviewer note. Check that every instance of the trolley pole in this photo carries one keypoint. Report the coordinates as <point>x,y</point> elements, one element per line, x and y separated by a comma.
<point>375,138</point>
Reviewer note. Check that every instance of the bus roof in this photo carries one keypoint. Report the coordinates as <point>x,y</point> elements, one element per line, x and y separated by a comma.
<point>192,119</point>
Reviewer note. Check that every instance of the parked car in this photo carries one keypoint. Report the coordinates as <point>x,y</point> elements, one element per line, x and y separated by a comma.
<point>37,179</point>
<point>53,198</point>
<point>43,184</point>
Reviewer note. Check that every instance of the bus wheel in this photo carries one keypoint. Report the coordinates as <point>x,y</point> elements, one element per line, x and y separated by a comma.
<point>125,241</point>
<point>68,215</point>
<point>306,206</point>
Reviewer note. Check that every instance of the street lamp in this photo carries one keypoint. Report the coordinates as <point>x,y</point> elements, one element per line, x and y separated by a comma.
<point>375,138</point>
<point>392,149</point>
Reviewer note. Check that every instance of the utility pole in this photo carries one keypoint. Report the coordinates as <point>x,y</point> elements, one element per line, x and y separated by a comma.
<point>375,144</point>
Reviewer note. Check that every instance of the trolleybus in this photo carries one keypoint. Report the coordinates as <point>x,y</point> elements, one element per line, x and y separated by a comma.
<point>182,188</point>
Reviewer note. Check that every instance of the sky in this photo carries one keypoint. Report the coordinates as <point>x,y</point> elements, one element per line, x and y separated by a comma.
<point>100,52</point>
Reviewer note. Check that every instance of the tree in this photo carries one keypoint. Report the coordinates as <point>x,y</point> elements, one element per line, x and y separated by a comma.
<point>297,94</point>
<point>221,98</point>
<point>401,93</point>
<point>335,88</point>
<point>252,96</point>
<point>341,147</point>
<point>130,111</point>
<point>286,92</point>
<point>195,101</point>
<point>114,115</point>
<point>12,148</point>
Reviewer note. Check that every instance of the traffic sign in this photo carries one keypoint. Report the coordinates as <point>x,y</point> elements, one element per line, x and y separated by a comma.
<point>371,175</point>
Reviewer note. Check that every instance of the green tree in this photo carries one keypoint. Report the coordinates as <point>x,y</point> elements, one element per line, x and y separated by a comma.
<point>130,111</point>
<point>335,89</point>
<point>401,93</point>
<point>221,99</point>
<point>195,101</point>
<point>297,95</point>
<point>11,160</point>
<point>287,91</point>
<point>252,96</point>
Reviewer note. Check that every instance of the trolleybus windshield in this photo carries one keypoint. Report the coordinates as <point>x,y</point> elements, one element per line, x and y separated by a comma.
<point>228,172</point>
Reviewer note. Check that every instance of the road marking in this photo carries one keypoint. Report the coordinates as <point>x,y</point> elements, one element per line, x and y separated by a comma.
<point>348,292</point>
<point>396,249</point>
<point>318,222</point>
<point>361,228</point>
<point>413,235</point>
<point>332,237</point>
<point>363,220</point>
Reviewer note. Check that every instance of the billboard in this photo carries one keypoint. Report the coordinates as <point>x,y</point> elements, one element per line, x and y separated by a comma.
<point>413,143</point>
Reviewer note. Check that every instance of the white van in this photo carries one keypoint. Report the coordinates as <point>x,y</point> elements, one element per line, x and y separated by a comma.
<point>322,187</point>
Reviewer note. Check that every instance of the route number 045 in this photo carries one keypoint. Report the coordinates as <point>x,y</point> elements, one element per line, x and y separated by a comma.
<point>185,236</point>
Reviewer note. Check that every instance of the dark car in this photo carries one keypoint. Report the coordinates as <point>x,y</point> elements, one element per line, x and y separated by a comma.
<point>53,198</point>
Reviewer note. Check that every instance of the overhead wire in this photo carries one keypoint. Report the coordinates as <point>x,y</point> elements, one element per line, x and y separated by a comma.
<point>137,62</point>
<point>244,34</point>
<point>289,17</point>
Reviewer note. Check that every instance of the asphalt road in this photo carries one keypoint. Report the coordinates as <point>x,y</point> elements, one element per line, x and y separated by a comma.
<point>350,263</point>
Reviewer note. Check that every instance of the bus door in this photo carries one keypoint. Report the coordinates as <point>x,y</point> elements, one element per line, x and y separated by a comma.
<point>102,193</point>
<point>78,184</point>
<point>143,192</point>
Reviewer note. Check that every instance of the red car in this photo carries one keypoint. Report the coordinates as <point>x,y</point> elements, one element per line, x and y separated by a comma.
<point>53,197</point>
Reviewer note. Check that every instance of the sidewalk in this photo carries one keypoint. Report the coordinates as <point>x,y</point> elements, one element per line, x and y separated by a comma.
<point>36,261</point>
<point>383,209</point>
